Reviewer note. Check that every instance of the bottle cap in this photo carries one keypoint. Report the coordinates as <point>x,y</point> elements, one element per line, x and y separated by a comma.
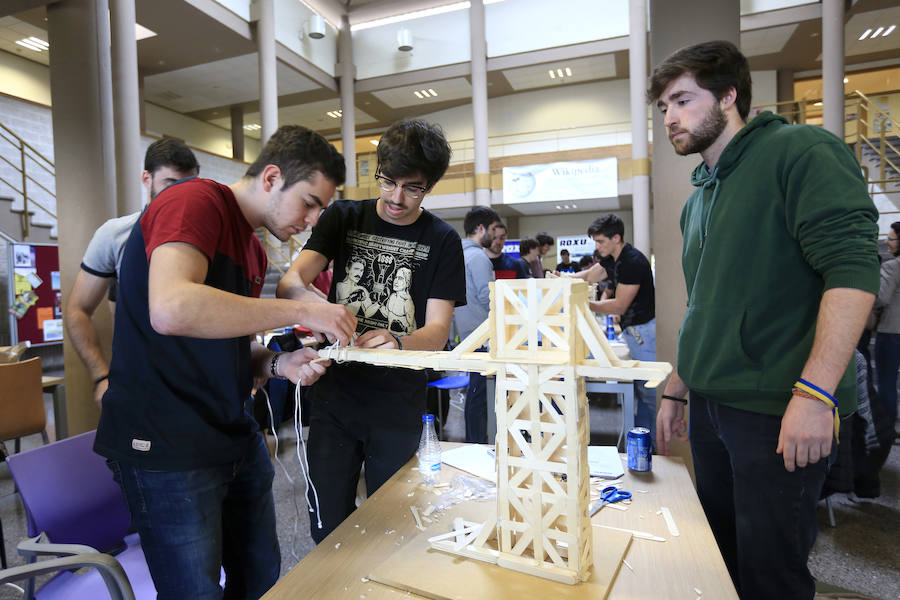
<point>427,418</point>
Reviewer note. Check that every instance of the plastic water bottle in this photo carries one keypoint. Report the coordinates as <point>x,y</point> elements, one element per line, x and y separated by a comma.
<point>429,452</point>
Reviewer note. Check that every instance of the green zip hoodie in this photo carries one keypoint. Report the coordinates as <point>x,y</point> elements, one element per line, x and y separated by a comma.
<point>781,218</point>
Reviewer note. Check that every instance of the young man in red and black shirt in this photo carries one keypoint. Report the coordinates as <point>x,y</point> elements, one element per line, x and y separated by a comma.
<point>189,458</point>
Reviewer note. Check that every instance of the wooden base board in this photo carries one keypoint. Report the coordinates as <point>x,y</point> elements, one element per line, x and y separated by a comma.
<point>433,574</point>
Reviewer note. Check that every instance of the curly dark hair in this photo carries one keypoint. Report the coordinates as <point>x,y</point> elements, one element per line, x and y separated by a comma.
<point>412,147</point>
<point>300,152</point>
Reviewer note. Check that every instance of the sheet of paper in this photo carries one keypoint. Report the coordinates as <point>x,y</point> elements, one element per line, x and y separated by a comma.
<point>604,461</point>
<point>475,459</point>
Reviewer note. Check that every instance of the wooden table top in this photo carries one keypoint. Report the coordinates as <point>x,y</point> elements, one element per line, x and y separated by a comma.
<point>677,568</point>
<point>51,380</point>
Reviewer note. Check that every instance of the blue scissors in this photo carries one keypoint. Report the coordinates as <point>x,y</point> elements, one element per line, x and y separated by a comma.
<point>608,495</point>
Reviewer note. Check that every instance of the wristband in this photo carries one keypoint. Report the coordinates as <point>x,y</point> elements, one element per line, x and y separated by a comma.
<point>399,343</point>
<point>273,366</point>
<point>682,400</point>
<point>99,379</point>
<point>808,389</point>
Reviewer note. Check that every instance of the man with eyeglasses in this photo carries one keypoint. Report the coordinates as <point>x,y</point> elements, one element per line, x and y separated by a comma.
<point>408,275</point>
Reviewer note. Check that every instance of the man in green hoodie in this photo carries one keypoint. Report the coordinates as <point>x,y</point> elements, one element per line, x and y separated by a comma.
<point>766,341</point>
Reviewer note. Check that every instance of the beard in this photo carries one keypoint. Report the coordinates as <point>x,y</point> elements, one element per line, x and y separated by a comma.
<point>703,137</point>
<point>487,240</point>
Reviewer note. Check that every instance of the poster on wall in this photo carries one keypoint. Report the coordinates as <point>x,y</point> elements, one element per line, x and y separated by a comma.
<point>577,245</point>
<point>560,181</point>
<point>35,309</point>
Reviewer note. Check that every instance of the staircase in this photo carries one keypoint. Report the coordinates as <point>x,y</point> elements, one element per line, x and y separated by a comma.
<point>883,153</point>
<point>27,191</point>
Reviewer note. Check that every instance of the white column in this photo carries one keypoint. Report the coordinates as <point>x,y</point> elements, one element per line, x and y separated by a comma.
<point>479,104</point>
<point>268,83</point>
<point>833,66</point>
<point>347,74</point>
<point>640,163</point>
<point>126,107</point>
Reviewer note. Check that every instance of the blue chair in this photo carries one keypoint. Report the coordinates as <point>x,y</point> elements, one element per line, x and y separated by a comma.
<point>73,506</point>
<point>444,385</point>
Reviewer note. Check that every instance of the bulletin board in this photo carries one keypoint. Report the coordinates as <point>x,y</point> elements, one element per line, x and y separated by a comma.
<point>35,297</point>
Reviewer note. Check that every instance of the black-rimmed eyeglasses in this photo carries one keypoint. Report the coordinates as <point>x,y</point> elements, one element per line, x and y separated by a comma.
<point>413,192</point>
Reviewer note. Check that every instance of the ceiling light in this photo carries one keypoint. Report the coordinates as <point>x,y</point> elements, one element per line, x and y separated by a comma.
<point>558,207</point>
<point>33,43</point>
<point>817,103</point>
<point>552,74</point>
<point>889,31</point>
<point>335,114</point>
<point>418,14</point>
<point>373,142</point>
<point>568,72</point>
<point>142,33</point>
<point>573,206</point>
<point>559,72</point>
<point>404,40</point>
<point>253,127</point>
<point>418,95</point>
<point>865,34</point>
<point>877,32</point>
<point>433,93</point>
<point>846,80</point>
<point>316,27</point>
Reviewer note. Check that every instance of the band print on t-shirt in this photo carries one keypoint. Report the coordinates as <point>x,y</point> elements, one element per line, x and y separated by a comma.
<point>377,281</point>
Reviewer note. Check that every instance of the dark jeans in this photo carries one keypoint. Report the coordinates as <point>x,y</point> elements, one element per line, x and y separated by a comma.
<point>763,517</point>
<point>381,429</point>
<point>193,523</point>
<point>887,361</point>
<point>476,409</point>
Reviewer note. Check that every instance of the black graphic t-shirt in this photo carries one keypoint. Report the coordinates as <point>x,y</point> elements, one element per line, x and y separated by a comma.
<point>385,273</point>
<point>633,268</point>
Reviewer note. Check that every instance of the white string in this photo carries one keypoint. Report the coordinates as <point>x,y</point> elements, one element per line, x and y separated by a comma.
<point>294,537</point>
<point>304,462</point>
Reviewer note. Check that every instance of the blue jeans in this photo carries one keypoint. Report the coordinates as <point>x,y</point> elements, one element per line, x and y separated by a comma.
<point>194,522</point>
<point>887,361</point>
<point>763,517</point>
<point>641,341</point>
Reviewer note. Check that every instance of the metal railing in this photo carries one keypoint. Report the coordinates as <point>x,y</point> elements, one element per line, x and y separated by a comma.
<point>27,155</point>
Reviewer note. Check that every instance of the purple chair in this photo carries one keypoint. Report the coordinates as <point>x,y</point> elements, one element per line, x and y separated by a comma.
<point>74,506</point>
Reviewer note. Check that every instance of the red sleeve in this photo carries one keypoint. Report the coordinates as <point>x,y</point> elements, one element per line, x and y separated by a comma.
<point>191,212</point>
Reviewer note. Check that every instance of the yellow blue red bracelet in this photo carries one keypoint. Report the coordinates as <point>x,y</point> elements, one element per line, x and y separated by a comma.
<point>819,394</point>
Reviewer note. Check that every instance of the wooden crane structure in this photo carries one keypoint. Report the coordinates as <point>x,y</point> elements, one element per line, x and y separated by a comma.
<point>544,341</point>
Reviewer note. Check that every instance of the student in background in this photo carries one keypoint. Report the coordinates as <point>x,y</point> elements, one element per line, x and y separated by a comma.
<point>528,256</point>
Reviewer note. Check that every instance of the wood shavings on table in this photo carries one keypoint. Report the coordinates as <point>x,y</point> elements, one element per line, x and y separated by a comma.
<point>415,513</point>
<point>670,521</point>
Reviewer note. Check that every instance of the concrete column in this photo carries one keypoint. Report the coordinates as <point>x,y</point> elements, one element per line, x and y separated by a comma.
<point>479,104</point>
<point>126,107</point>
<point>268,82</point>
<point>784,92</point>
<point>672,26</point>
<point>640,161</point>
<point>833,66</point>
<point>84,153</point>
<point>347,73</point>
<point>237,133</point>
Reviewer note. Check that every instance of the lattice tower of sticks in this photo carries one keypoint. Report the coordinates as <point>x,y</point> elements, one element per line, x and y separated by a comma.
<point>543,342</point>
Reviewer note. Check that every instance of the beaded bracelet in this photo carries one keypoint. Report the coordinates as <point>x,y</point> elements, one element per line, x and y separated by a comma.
<point>273,366</point>
<point>810,390</point>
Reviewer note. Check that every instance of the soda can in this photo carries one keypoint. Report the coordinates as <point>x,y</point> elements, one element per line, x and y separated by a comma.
<point>610,330</point>
<point>638,447</point>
